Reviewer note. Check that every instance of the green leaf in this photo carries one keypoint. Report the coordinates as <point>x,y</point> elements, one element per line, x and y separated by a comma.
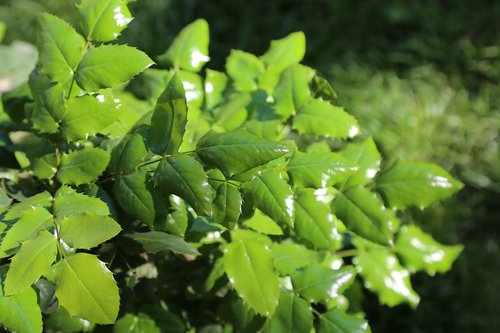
<point>293,315</point>
<point>244,69</point>
<point>193,85</point>
<point>237,152</point>
<point>177,219</point>
<point>137,197</point>
<point>86,288</point>
<point>62,321</point>
<point>384,275</point>
<point>32,220</point>
<point>87,115</point>
<point>104,20</point>
<point>87,230</point>
<point>156,241</point>
<point>215,84</point>
<point>415,184</point>
<point>31,262</point>
<point>107,66</point>
<point>232,114</point>
<point>250,269</point>
<point>43,199</point>
<point>264,224</point>
<point>319,170</point>
<point>131,151</point>
<point>61,48</point>
<point>82,166</point>
<point>135,324</point>
<point>367,157</point>
<point>322,118</point>
<point>315,223</point>
<point>189,49</point>
<point>289,257</point>
<point>169,119</point>
<point>267,129</point>
<point>286,51</point>
<point>20,312</point>
<point>270,193</point>
<point>183,176</point>
<point>336,321</point>
<point>68,202</point>
<point>419,251</point>
<point>293,90</point>
<point>227,205</point>
<point>364,214</point>
<point>319,284</point>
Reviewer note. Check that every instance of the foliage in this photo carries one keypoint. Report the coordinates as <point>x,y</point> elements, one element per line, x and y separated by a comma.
<point>243,201</point>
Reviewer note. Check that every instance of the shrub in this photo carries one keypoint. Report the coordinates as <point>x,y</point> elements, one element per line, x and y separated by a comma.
<point>243,201</point>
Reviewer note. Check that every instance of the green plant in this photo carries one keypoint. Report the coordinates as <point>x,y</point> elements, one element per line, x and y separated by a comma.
<point>245,202</point>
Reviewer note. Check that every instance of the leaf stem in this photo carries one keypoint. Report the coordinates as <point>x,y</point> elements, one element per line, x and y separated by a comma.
<point>348,253</point>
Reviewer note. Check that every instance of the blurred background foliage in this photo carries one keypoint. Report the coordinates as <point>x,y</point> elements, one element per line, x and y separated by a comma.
<point>422,76</point>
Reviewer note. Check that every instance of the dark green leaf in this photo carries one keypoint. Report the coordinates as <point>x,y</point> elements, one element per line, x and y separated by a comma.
<point>336,321</point>
<point>177,219</point>
<point>82,166</point>
<point>155,241</point>
<point>227,205</point>
<point>293,315</point>
<point>135,324</point>
<point>87,230</point>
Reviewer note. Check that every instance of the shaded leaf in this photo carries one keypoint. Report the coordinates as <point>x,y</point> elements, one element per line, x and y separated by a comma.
<point>227,205</point>
<point>336,321</point>
<point>130,323</point>
<point>156,241</point>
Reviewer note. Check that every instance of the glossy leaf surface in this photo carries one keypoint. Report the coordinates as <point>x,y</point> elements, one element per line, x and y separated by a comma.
<point>87,230</point>
<point>104,20</point>
<point>155,241</point>
<point>227,205</point>
<point>82,166</point>
<point>293,315</point>
<point>367,157</point>
<point>336,321</point>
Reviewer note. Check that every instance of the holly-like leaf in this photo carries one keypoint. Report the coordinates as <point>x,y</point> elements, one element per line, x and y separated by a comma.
<point>87,115</point>
<point>20,312</point>
<point>87,230</point>
<point>106,66</point>
<point>61,48</point>
<point>322,118</point>
<point>319,284</point>
<point>43,199</point>
<point>367,157</point>
<point>250,269</point>
<point>68,202</point>
<point>183,176</point>
<point>315,223</point>
<point>264,224</point>
<point>227,205</point>
<point>156,241</point>
<point>189,49</point>
<point>415,184</point>
<point>131,151</point>
<point>82,166</point>
<point>31,262</point>
<point>104,20</point>
<point>244,69</point>
<point>86,288</point>
<point>319,170</point>
<point>293,315</point>
<point>286,51</point>
<point>384,275</point>
<point>237,152</point>
<point>419,251</point>
<point>270,193</point>
<point>336,321</point>
<point>289,257</point>
<point>169,119</point>
<point>364,214</point>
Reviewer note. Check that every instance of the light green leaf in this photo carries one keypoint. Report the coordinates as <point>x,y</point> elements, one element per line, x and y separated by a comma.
<point>137,197</point>
<point>20,312</point>
<point>366,155</point>
<point>135,324</point>
<point>215,84</point>
<point>227,205</point>
<point>183,176</point>
<point>322,118</point>
<point>384,275</point>
<point>270,193</point>
<point>267,129</point>
<point>177,218</point>
<point>237,152</point>
<point>169,119</point>
<point>193,85</point>
<point>87,230</point>
<point>106,66</point>
<point>336,321</point>
<point>31,262</point>
<point>233,113</point>
<point>250,269</point>
<point>321,88</point>
<point>189,49</point>
<point>82,166</point>
<point>156,241</point>
<point>68,202</point>
<point>87,115</point>
<point>104,20</point>
<point>86,288</point>
<point>264,224</point>
<point>315,223</point>
<point>419,251</point>
<point>364,214</point>
<point>286,51</point>
<point>319,284</point>
<point>293,90</point>
<point>61,48</point>
<point>43,199</point>
<point>319,170</point>
<point>415,184</point>
<point>293,315</point>
<point>244,69</point>
<point>289,257</point>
